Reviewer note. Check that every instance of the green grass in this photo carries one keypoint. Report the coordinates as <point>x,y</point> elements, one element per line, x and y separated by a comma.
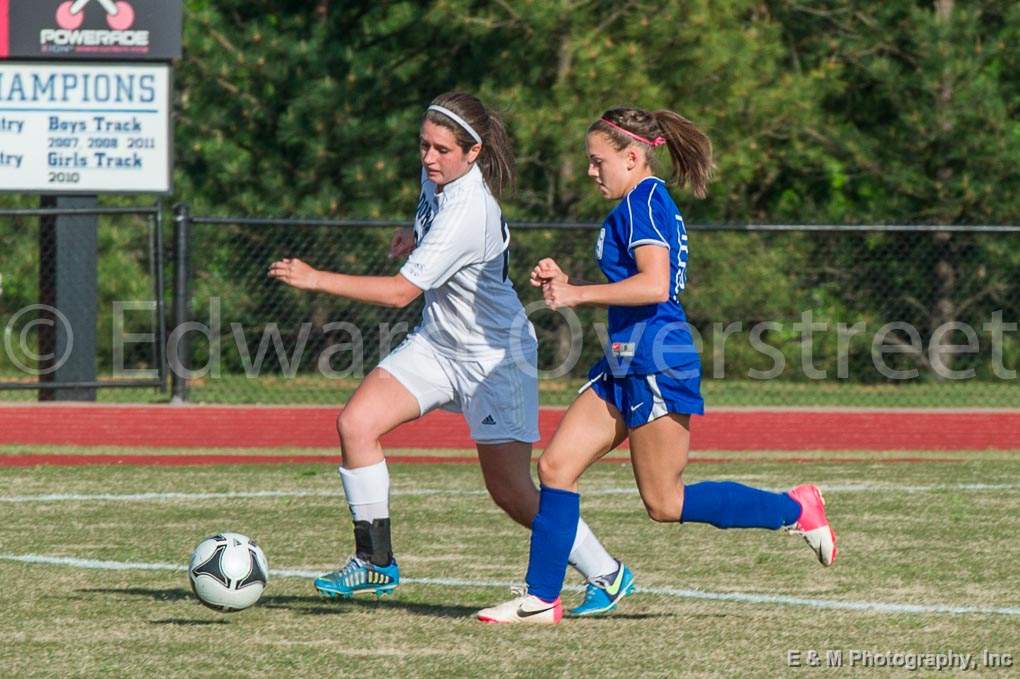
<point>907,535</point>
<point>317,390</point>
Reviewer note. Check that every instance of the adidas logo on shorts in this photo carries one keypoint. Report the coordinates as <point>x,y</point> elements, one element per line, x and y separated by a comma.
<point>489,420</point>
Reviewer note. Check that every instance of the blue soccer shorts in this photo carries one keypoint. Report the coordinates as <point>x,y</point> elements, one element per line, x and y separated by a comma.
<point>643,398</point>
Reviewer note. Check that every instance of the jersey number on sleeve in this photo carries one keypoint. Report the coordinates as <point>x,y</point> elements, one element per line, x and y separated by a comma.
<point>505,228</point>
<point>681,260</point>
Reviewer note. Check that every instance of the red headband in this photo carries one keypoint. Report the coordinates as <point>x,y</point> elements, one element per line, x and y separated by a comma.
<point>658,141</point>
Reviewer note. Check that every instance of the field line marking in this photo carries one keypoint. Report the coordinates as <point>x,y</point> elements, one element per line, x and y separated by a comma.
<point>737,597</point>
<point>414,492</point>
<point>163,497</point>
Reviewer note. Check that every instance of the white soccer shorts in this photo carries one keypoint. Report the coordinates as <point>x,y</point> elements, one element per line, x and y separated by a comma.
<point>499,398</point>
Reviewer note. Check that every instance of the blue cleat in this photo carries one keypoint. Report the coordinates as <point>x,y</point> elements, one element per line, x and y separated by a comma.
<point>359,576</point>
<point>603,593</point>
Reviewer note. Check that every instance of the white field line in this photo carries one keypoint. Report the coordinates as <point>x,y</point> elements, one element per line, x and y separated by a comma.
<point>679,593</point>
<point>169,497</point>
<point>414,492</point>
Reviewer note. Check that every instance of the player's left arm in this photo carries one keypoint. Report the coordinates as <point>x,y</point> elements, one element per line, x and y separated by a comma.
<point>650,285</point>
<point>391,291</point>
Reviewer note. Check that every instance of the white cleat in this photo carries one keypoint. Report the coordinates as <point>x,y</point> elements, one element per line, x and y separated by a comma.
<point>524,608</point>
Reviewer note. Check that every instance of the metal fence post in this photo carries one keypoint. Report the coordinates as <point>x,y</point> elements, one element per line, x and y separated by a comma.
<point>68,286</point>
<point>182,301</point>
<point>158,262</point>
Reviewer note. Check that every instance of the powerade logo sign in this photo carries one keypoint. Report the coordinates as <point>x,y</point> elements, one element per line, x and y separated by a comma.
<point>90,29</point>
<point>69,37</point>
<point>119,15</point>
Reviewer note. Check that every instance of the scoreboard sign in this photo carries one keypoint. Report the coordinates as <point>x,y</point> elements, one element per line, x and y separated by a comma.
<point>85,128</point>
<point>85,91</point>
<point>119,30</point>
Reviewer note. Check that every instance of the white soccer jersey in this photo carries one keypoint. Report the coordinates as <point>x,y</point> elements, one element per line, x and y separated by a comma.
<point>460,261</point>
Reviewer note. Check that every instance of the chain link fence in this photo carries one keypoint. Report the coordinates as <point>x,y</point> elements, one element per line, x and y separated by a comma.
<point>81,302</point>
<point>894,316</point>
<point>806,316</point>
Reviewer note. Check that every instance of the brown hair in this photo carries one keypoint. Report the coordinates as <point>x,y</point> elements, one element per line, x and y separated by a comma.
<point>496,160</point>
<point>690,149</point>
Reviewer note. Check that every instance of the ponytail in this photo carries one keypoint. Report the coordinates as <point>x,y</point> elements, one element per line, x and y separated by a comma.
<point>690,149</point>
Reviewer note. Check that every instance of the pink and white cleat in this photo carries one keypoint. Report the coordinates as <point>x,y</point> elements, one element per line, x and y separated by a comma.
<point>524,608</point>
<point>812,524</point>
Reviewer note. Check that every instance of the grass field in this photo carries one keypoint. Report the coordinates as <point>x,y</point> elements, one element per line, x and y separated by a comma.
<point>928,564</point>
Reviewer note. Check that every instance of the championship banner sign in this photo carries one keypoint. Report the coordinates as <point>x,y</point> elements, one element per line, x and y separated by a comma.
<point>85,128</point>
<point>119,30</point>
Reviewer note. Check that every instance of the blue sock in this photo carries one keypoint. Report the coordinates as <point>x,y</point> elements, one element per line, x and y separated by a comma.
<point>552,536</point>
<point>725,504</point>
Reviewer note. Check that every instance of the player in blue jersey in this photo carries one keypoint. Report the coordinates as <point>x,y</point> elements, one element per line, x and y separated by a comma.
<point>647,385</point>
<point>459,357</point>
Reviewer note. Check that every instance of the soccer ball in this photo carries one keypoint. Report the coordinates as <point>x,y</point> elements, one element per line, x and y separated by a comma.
<point>228,572</point>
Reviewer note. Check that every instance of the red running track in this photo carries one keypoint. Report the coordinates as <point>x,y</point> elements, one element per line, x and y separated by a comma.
<point>196,426</point>
<point>61,460</point>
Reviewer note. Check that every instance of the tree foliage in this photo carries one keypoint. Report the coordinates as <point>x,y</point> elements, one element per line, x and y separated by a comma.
<point>835,111</point>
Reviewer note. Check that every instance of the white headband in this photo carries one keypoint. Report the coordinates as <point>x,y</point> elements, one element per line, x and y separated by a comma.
<point>457,119</point>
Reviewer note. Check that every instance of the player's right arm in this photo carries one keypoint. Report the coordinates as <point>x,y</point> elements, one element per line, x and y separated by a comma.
<point>650,285</point>
<point>391,291</point>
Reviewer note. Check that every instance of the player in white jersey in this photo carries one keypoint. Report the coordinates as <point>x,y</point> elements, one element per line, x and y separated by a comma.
<point>473,352</point>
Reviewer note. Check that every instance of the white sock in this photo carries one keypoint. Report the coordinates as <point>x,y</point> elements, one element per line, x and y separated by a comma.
<point>368,491</point>
<point>589,556</point>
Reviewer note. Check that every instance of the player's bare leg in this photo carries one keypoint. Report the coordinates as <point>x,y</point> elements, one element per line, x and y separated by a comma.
<point>379,405</point>
<point>590,429</point>
<point>506,469</point>
<point>659,452</point>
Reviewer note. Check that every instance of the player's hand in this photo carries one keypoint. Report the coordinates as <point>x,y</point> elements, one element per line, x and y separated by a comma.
<point>295,273</point>
<point>560,294</point>
<point>402,243</point>
<point>546,271</point>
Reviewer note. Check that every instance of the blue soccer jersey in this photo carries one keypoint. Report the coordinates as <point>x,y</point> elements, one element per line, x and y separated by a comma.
<point>647,339</point>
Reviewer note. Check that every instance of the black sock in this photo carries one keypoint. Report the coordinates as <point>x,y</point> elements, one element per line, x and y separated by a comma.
<point>363,540</point>
<point>372,541</point>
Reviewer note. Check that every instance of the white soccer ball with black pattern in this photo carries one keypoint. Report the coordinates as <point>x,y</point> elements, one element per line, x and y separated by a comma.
<point>228,572</point>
